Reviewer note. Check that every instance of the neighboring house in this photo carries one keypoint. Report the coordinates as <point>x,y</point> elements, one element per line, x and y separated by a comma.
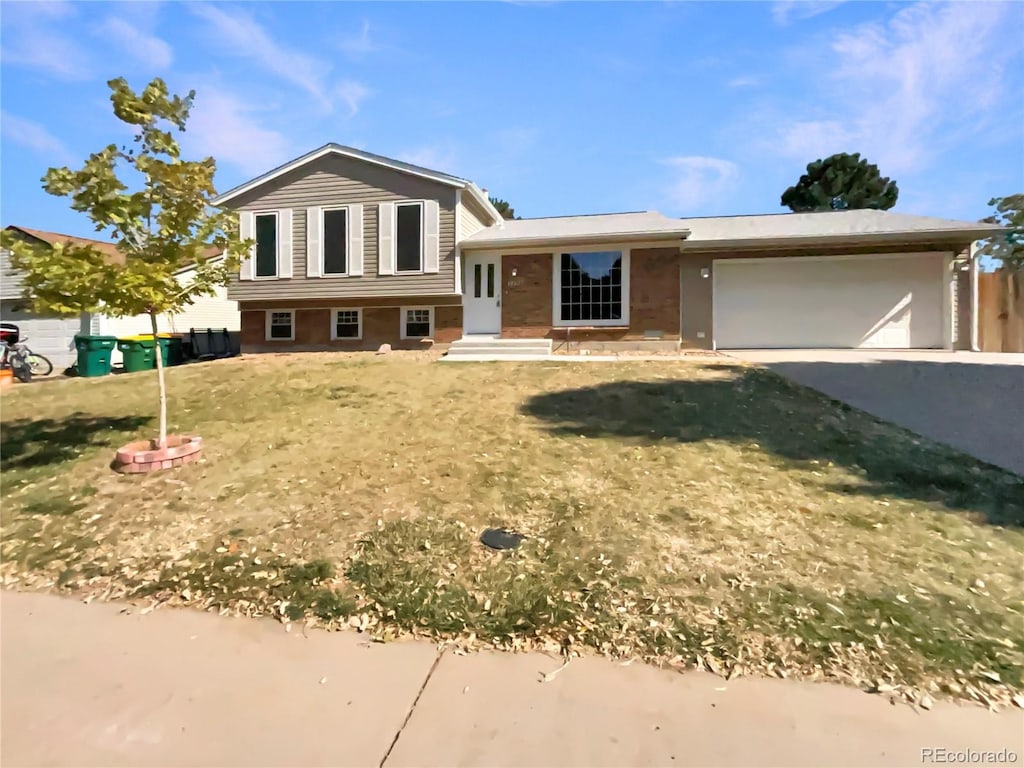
<point>354,250</point>
<point>55,336</point>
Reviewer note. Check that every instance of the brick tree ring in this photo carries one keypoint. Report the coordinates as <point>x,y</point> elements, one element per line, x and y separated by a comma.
<point>144,456</point>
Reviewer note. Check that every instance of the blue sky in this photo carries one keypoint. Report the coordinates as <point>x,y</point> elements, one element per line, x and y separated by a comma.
<point>688,108</point>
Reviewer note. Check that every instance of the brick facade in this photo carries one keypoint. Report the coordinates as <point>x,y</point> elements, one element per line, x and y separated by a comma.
<point>381,325</point>
<point>526,298</point>
<point>527,311</point>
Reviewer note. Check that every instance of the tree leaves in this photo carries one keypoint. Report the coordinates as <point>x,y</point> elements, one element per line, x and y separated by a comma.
<point>1008,246</point>
<point>502,206</point>
<point>841,182</point>
<point>155,206</point>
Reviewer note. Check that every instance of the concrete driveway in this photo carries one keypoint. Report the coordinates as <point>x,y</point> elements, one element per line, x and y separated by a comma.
<point>973,401</point>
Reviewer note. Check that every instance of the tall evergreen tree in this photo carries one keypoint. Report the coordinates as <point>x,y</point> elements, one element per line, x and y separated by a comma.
<point>840,182</point>
<point>506,210</point>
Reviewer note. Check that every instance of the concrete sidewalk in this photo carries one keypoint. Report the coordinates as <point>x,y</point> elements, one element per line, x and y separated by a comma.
<point>85,685</point>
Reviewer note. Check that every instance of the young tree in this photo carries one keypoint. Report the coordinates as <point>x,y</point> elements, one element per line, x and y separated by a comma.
<point>160,216</point>
<point>1007,246</point>
<point>841,182</point>
<point>506,210</point>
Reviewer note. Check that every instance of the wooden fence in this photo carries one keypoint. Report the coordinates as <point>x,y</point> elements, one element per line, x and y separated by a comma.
<point>1001,311</point>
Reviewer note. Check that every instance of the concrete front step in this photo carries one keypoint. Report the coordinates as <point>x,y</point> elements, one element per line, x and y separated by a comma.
<point>490,357</point>
<point>536,349</point>
<point>492,341</point>
<point>490,348</point>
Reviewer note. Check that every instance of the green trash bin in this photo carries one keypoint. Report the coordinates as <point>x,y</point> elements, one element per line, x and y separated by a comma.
<point>137,352</point>
<point>174,347</point>
<point>94,354</point>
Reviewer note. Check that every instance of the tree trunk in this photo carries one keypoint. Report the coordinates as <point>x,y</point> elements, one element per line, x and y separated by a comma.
<point>162,440</point>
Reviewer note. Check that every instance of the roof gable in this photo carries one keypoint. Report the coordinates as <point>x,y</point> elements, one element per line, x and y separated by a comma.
<point>366,157</point>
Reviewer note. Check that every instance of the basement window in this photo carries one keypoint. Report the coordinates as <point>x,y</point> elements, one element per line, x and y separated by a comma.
<point>348,324</point>
<point>281,325</point>
<point>417,322</point>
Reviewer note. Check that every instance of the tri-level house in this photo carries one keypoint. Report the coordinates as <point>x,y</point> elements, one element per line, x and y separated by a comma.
<point>354,250</point>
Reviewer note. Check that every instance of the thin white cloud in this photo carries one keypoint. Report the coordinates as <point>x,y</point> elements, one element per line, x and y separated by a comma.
<point>815,138</point>
<point>146,49</point>
<point>436,158</point>
<point>57,9</point>
<point>227,129</point>
<point>33,136</point>
<point>700,181</point>
<point>353,94</point>
<point>743,81</point>
<point>238,33</point>
<point>32,40</point>
<point>785,11</point>
<point>907,89</point>
<point>360,44</point>
<point>515,140</point>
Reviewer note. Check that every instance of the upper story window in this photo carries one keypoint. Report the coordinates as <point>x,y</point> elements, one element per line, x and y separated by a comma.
<point>266,245</point>
<point>269,233</point>
<point>409,237</point>
<point>592,288</point>
<point>335,229</point>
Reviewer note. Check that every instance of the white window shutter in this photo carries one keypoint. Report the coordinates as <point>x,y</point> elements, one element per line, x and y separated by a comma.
<point>386,239</point>
<point>431,237</point>
<point>284,243</point>
<point>314,241</point>
<point>246,231</point>
<point>355,240</point>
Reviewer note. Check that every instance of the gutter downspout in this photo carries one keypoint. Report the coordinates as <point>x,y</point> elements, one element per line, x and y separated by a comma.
<point>974,296</point>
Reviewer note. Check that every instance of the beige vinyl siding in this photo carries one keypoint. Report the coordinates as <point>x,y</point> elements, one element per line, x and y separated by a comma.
<point>331,181</point>
<point>472,218</point>
<point>10,279</point>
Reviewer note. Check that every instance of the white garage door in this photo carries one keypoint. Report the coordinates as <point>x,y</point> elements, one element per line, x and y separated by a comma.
<point>53,337</point>
<point>835,302</point>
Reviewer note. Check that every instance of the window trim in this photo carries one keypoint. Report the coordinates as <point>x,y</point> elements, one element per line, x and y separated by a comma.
<point>556,287</point>
<point>401,323</point>
<point>323,242</point>
<point>423,216</point>
<point>269,317</point>
<point>277,245</point>
<point>334,323</point>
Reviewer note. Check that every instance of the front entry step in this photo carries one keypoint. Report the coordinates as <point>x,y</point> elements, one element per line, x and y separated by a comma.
<point>478,348</point>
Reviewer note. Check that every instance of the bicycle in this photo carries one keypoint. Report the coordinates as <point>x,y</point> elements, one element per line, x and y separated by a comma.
<point>16,355</point>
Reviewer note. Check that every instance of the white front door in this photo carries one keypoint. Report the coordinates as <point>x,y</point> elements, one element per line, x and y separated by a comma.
<point>481,302</point>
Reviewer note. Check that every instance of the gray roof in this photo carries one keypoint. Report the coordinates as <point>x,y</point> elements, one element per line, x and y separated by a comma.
<point>608,226</point>
<point>867,222</point>
<point>720,231</point>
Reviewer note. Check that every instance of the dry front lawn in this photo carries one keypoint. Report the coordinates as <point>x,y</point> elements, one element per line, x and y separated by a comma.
<point>684,511</point>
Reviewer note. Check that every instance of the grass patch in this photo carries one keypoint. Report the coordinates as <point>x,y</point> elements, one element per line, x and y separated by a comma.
<point>674,511</point>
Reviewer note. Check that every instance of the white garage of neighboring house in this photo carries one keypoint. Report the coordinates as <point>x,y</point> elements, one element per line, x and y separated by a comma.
<point>54,337</point>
